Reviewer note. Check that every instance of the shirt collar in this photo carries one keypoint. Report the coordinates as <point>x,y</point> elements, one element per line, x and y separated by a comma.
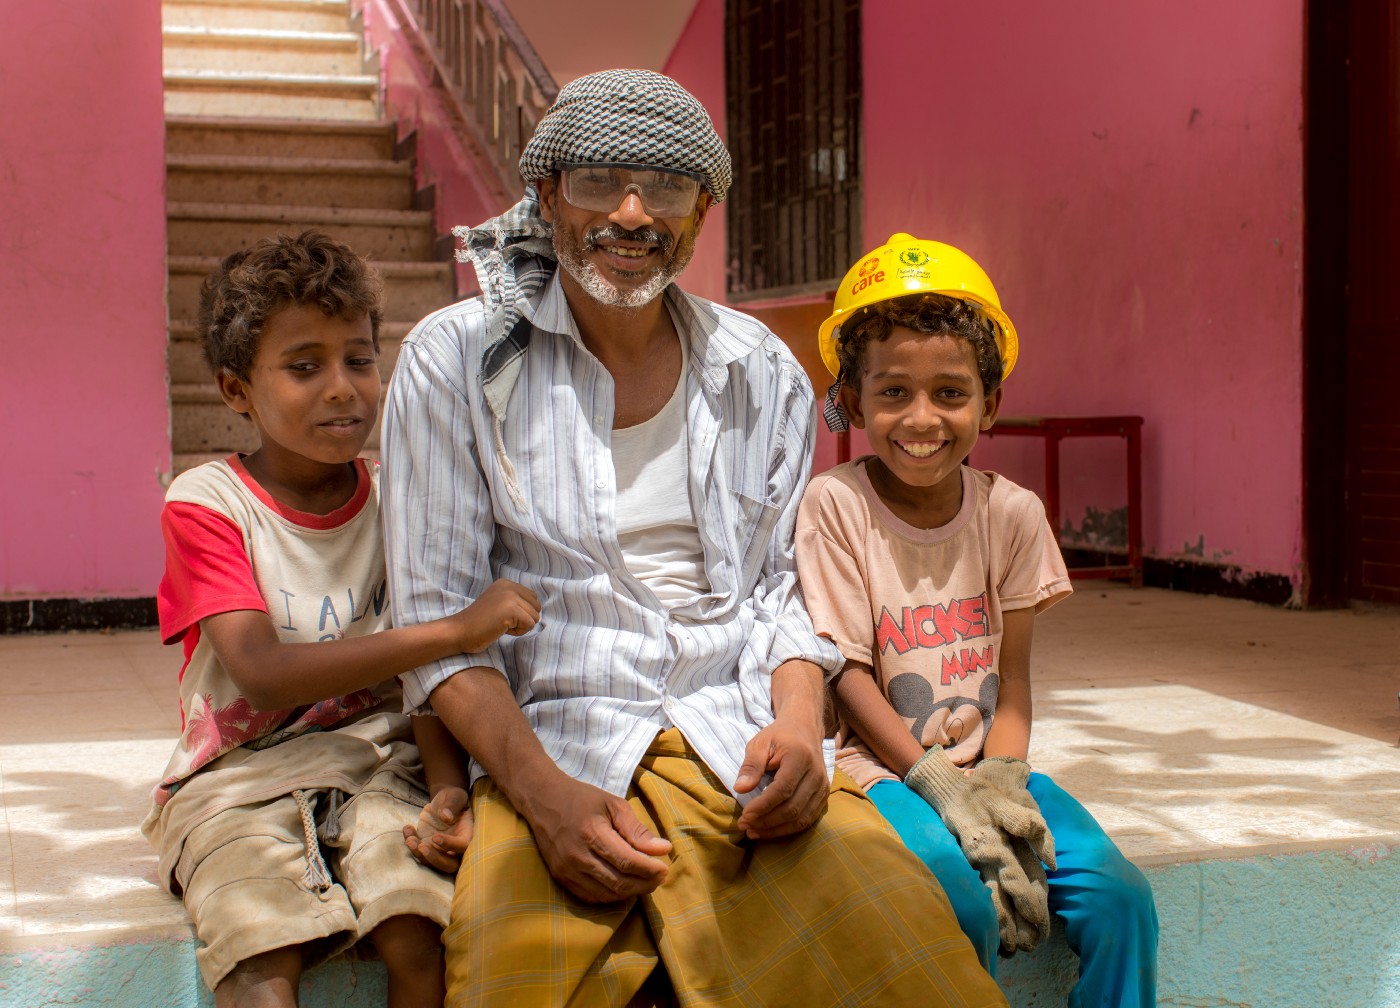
<point>712,347</point>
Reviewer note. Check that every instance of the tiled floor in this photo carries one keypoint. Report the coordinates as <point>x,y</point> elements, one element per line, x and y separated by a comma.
<point>1189,725</point>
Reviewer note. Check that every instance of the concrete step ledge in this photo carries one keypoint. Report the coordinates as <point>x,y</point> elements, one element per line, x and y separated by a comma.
<point>185,395</point>
<point>200,49</point>
<point>177,123</point>
<point>315,6</point>
<point>259,37</point>
<point>351,84</point>
<point>204,265</point>
<point>274,102</point>
<point>377,234</point>
<point>1291,925</point>
<point>291,15</point>
<point>267,181</point>
<point>332,216</point>
<point>237,163</point>
<point>142,968</point>
<point>279,138</point>
<point>413,288</point>
<point>187,330</point>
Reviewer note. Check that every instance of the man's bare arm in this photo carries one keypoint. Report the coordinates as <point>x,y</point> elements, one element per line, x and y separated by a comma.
<point>791,749</point>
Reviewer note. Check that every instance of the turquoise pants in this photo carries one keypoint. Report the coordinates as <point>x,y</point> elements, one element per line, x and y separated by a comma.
<point>1104,901</point>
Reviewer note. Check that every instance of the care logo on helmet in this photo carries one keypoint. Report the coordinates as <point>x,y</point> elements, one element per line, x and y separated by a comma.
<point>913,257</point>
<point>869,273</point>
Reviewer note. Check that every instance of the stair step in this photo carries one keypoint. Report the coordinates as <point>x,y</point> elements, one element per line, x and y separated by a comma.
<point>255,80</point>
<point>273,124</point>
<point>186,357</point>
<point>412,289</point>
<point>291,15</point>
<point>282,138</point>
<point>201,48</point>
<point>202,423</point>
<point>280,95</point>
<point>225,178</point>
<point>221,228</point>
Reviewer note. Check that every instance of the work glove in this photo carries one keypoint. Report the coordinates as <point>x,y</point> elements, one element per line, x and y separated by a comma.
<point>992,830</point>
<point>1024,918</point>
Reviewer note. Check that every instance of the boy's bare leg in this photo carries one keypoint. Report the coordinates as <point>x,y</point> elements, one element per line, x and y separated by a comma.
<point>268,980</point>
<point>411,947</point>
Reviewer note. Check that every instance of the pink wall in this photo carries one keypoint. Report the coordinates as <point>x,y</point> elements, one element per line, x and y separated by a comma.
<point>84,419</point>
<point>443,160</point>
<point>697,63</point>
<point>1130,175</point>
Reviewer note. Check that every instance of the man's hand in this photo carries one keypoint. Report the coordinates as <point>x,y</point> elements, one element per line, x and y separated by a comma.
<point>796,797</point>
<point>443,832</point>
<point>594,845</point>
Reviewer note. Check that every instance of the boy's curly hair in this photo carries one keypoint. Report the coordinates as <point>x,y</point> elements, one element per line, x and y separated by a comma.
<point>310,269</point>
<point>923,313</point>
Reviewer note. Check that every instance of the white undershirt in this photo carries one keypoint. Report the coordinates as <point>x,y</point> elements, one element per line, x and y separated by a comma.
<point>656,525</point>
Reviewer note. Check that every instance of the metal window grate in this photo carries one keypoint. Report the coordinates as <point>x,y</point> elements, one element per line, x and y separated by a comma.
<point>793,86</point>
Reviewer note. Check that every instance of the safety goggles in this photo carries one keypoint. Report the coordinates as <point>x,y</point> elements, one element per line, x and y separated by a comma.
<point>664,192</point>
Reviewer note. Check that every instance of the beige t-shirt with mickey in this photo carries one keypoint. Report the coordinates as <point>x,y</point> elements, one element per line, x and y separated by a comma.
<point>923,607</point>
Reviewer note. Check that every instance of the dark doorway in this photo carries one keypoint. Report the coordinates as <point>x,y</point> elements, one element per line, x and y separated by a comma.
<point>1352,303</point>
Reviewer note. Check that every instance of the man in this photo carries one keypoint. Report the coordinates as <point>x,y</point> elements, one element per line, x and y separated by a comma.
<point>649,779</point>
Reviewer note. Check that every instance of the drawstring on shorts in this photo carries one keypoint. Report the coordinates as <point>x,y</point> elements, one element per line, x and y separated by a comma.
<point>317,875</point>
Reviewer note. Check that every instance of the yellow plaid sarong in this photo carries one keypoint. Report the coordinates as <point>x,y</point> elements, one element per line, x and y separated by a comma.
<point>840,915</point>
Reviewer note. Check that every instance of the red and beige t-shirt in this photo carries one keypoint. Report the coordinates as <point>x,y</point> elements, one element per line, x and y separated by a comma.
<point>923,607</point>
<point>230,546</point>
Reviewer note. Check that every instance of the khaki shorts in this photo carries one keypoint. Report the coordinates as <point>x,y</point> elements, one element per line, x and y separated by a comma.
<point>251,887</point>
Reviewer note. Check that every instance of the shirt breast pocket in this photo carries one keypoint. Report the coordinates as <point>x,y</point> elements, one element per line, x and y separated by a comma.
<point>755,524</point>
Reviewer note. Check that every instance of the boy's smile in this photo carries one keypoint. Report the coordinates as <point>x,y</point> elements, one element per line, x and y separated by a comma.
<point>921,404</point>
<point>921,449</point>
<point>313,395</point>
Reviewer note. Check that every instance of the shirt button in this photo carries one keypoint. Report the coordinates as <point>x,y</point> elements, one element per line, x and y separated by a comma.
<point>600,484</point>
<point>597,419</point>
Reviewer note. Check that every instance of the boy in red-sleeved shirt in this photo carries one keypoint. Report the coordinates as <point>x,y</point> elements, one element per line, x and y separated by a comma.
<point>279,818</point>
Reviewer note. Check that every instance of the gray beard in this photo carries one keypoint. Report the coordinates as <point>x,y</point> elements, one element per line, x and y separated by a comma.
<point>586,275</point>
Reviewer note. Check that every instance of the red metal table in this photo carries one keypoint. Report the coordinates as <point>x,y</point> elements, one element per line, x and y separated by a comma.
<point>1054,429</point>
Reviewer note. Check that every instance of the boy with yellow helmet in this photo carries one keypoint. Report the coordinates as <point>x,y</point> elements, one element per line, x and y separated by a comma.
<point>928,575</point>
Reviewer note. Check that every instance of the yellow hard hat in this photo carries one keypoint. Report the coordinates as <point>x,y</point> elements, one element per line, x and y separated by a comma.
<point>906,265</point>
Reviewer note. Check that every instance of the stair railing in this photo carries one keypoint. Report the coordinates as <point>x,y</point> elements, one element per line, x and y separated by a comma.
<point>499,84</point>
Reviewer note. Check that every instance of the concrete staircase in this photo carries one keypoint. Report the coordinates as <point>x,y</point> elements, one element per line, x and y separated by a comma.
<point>273,124</point>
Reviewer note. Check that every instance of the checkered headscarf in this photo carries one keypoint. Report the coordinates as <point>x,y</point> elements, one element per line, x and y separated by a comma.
<point>628,116</point>
<point>631,116</point>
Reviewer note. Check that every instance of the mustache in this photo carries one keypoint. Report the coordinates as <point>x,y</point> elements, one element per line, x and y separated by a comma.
<point>616,233</point>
